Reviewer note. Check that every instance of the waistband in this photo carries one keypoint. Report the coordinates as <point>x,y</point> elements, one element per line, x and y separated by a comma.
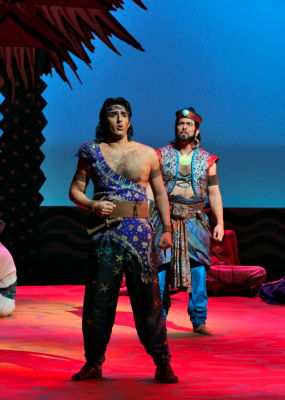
<point>183,211</point>
<point>130,209</point>
<point>123,209</point>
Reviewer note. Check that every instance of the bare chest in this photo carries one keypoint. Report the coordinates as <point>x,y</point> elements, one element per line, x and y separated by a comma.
<point>132,164</point>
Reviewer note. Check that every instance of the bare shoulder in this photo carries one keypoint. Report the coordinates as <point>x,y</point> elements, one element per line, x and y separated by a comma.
<point>213,169</point>
<point>147,150</point>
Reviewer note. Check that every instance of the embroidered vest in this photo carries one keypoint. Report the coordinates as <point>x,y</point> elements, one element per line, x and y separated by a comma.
<point>200,166</point>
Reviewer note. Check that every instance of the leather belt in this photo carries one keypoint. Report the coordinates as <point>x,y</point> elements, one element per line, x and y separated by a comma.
<point>183,211</point>
<point>130,209</point>
<point>123,209</point>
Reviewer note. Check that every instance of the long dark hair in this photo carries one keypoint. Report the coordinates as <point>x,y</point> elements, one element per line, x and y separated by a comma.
<point>101,130</point>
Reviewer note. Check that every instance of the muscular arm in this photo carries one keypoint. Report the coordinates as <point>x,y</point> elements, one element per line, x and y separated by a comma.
<point>216,204</point>
<point>79,184</point>
<point>77,191</point>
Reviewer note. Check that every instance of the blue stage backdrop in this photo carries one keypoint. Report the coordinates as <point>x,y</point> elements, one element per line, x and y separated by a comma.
<point>225,58</point>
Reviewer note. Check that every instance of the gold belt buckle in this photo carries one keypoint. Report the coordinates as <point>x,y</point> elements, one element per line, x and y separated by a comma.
<point>135,209</point>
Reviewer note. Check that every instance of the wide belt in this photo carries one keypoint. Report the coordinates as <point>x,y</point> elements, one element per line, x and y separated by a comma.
<point>130,209</point>
<point>123,209</point>
<point>183,211</point>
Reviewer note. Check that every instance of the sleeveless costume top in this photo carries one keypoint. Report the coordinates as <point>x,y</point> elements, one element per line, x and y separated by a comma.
<point>134,234</point>
<point>201,162</point>
<point>191,236</point>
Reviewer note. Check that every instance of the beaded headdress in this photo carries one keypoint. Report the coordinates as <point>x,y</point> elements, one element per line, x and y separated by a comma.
<point>185,113</point>
<point>116,107</point>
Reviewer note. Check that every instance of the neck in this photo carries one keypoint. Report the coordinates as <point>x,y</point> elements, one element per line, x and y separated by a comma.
<point>117,142</point>
<point>185,147</point>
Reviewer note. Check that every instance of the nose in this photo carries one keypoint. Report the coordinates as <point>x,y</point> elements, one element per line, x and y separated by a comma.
<point>119,117</point>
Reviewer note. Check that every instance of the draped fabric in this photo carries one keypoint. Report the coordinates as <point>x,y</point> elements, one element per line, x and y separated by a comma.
<point>133,234</point>
<point>273,292</point>
<point>181,276</point>
<point>8,273</point>
<point>191,240</point>
<point>8,282</point>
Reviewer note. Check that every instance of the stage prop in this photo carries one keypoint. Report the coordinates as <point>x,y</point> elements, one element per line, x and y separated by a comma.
<point>235,280</point>
<point>273,292</point>
<point>37,37</point>
<point>226,276</point>
<point>8,279</point>
<point>8,282</point>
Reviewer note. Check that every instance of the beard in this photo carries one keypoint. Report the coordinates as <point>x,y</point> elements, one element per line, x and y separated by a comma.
<point>183,137</point>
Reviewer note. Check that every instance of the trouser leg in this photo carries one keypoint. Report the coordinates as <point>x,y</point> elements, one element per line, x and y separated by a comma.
<point>148,316</point>
<point>198,299</point>
<point>100,301</point>
<point>164,279</point>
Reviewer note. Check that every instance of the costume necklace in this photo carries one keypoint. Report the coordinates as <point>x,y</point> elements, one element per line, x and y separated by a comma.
<point>184,172</point>
<point>185,158</point>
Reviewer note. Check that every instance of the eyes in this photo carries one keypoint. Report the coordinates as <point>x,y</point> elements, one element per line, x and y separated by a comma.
<point>190,124</point>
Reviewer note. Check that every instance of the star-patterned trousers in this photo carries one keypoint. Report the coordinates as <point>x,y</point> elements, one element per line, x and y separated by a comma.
<point>106,264</point>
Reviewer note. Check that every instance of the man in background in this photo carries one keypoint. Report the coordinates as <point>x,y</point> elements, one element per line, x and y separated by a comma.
<point>190,178</point>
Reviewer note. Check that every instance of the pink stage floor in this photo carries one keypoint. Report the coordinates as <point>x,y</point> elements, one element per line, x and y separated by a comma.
<point>41,347</point>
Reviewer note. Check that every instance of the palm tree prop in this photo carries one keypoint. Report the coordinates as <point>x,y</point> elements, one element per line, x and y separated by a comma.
<point>37,37</point>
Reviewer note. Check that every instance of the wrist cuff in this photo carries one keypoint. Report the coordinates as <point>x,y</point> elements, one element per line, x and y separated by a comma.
<point>166,228</point>
<point>91,205</point>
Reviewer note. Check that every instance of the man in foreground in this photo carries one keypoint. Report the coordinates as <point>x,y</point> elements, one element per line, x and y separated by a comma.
<point>190,179</point>
<point>121,238</point>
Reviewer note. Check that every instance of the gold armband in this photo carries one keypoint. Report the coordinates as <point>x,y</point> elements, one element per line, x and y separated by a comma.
<point>166,228</point>
<point>212,180</point>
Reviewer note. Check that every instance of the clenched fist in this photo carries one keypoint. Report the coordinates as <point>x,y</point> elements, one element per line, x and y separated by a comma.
<point>165,240</point>
<point>102,208</point>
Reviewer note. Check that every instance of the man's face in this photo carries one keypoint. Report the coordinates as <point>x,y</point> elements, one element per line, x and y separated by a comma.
<point>186,130</point>
<point>118,121</point>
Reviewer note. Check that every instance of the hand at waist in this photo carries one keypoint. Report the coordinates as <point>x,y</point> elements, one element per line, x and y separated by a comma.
<point>103,208</point>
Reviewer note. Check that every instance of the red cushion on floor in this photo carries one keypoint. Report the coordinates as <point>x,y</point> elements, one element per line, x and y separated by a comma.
<point>235,279</point>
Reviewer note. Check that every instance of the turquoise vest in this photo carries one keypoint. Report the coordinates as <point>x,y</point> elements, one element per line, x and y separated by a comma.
<point>200,169</point>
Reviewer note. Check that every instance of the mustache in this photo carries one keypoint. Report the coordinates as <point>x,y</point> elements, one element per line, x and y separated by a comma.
<point>188,139</point>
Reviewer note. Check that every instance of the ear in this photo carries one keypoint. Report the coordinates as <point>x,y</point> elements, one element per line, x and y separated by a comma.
<point>197,132</point>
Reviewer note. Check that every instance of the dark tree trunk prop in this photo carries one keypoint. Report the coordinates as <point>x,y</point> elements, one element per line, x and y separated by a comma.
<point>21,176</point>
